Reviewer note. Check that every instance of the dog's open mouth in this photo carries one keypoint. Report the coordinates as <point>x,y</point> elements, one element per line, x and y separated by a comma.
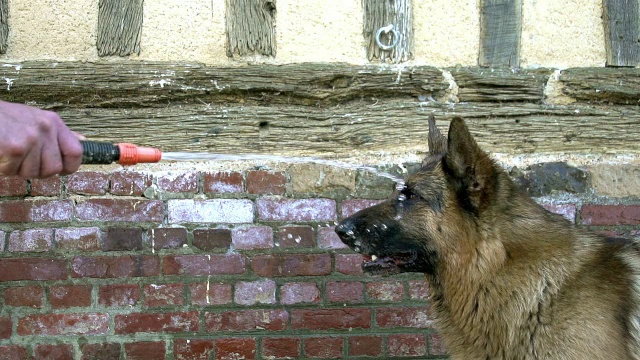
<point>388,265</point>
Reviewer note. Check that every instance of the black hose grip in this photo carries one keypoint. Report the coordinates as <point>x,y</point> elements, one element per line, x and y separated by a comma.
<point>94,152</point>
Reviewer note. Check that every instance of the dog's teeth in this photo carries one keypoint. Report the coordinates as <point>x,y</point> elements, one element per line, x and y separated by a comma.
<point>374,258</point>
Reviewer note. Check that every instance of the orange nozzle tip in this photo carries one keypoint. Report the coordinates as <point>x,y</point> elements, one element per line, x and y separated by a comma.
<point>131,154</point>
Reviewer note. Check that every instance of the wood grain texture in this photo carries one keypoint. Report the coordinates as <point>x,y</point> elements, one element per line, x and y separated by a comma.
<point>622,32</point>
<point>119,27</point>
<point>377,14</point>
<point>500,32</point>
<point>500,84</point>
<point>4,26</point>
<point>251,27</point>
<point>602,85</point>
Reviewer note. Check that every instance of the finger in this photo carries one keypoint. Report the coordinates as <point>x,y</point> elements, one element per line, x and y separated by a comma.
<point>70,150</point>
<point>30,165</point>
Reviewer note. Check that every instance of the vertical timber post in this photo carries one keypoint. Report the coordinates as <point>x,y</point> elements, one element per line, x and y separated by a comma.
<point>4,25</point>
<point>500,32</point>
<point>251,27</point>
<point>388,30</point>
<point>119,27</point>
<point>621,32</point>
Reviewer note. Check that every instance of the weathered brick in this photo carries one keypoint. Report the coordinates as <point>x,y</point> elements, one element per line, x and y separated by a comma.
<point>547,178</point>
<point>255,292</point>
<point>145,350</point>
<point>78,239</point>
<point>168,238</point>
<point>291,265</point>
<point>163,294</point>
<point>215,264</point>
<point>122,239</point>
<point>328,239</point>
<point>295,293</point>
<point>418,290</point>
<point>118,295</point>
<point>178,182</point>
<point>115,267</point>
<point>344,291</point>
<point>235,348</point>
<point>281,348</point>
<point>407,345</point>
<point>365,345</point>
<point>31,240</point>
<point>610,214</point>
<point>251,238</point>
<point>53,352</point>
<point>266,182</point>
<point>212,239</point>
<point>17,211</point>
<point>64,324</point>
<point>321,179</point>
<point>324,347</point>
<point>408,317</point>
<point>350,207</point>
<point>278,209</point>
<point>566,210</point>
<point>620,180</point>
<point>28,296</point>
<point>14,352</point>
<point>66,296</point>
<point>186,349</point>
<point>295,236</point>
<point>126,210</point>
<point>247,320</point>
<point>50,186</point>
<point>349,264</point>
<point>211,293</point>
<point>373,186</point>
<point>13,186</point>
<point>130,183</point>
<point>33,269</point>
<point>392,291</point>
<point>5,327</point>
<point>156,322</point>
<point>325,319</point>
<point>104,351</point>
<point>223,182</point>
<point>210,211</point>
<point>436,345</point>
<point>88,183</point>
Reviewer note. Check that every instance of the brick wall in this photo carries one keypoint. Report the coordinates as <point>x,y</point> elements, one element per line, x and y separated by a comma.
<point>186,264</point>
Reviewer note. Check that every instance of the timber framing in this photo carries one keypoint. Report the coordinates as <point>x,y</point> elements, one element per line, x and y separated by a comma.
<point>332,110</point>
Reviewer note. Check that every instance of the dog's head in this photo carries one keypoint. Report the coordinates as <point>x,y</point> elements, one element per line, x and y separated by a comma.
<point>436,212</point>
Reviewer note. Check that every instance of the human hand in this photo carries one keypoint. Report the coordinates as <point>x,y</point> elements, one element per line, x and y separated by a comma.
<point>36,143</point>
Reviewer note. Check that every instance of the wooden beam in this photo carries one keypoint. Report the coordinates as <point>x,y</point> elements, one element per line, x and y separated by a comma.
<point>622,32</point>
<point>505,85</point>
<point>602,85</point>
<point>500,32</point>
<point>119,27</point>
<point>4,26</point>
<point>251,27</point>
<point>391,22</point>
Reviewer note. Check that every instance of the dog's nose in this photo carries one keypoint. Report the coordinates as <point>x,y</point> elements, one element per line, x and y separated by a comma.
<point>345,231</point>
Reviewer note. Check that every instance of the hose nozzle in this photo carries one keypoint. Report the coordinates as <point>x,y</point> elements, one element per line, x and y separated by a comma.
<point>94,152</point>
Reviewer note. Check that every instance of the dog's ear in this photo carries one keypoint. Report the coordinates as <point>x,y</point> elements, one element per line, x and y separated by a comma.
<point>437,141</point>
<point>473,170</point>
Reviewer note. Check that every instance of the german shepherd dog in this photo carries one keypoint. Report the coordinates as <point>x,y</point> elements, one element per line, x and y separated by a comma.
<point>508,279</point>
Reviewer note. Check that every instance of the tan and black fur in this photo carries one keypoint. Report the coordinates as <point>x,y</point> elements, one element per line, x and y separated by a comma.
<point>509,280</point>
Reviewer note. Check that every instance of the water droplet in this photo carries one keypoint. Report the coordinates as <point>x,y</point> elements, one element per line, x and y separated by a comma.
<point>383,226</point>
<point>357,243</point>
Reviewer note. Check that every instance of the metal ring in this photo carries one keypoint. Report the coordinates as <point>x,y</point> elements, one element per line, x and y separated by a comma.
<point>387,29</point>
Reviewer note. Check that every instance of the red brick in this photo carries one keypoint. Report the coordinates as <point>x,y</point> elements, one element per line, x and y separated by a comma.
<point>235,348</point>
<point>566,210</point>
<point>156,322</point>
<point>436,345</point>
<point>53,352</point>
<point>66,296</point>
<point>349,264</point>
<point>14,352</point>
<point>129,183</point>
<point>115,267</point>
<point>13,186</point>
<point>120,210</point>
<point>145,350</point>
<point>17,211</point>
<point>78,239</point>
<point>31,240</point>
<point>100,351</point>
<point>295,236</point>
<point>247,320</point>
<point>409,317</point>
<point>324,347</point>
<point>386,291</point>
<point>211,293</point>
<point>64,324</point>
<point>325,319</point>
<point>266,182</point>
<point>345,291</point>
<point>255,292</point>
<point>87,183</point>
<point>407,345</point>
<point>185,349</point>
<point>32,269</point>
<point>119,295</point>
<point>29,296</point>
<point>178,182</point>
<point>365,345</point>
<point>295,293</point>
<point>291,265</point>
<point>281,348</point>
<point>223,182</point>
<point>350,207</point>
<point>278,209</point>
<point>163,295</point>
<point>328,239</point>
<point>215,264</point>
<point>50,186</point>
<point>251,238</point>
<point>419,290</point>
<point>5,327</point>
<point>211,239</point>
<point>610,214</point>
<point>222,211</point>
<point>168,238</point>
<point>122,239</point>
